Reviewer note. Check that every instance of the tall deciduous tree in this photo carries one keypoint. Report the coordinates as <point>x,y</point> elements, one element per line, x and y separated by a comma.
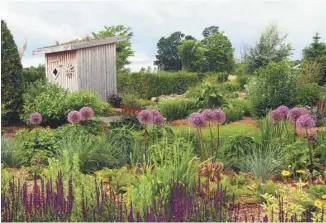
<point>192,55</point>
<point>124,50</point>
<point>317,52</point>
<point>219,51</point>
<point>11,74</point>
<point>271,47</point>
<point>167,57</point>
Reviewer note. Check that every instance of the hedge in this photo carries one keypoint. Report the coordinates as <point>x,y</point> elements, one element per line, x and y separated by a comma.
<point>148,85</point>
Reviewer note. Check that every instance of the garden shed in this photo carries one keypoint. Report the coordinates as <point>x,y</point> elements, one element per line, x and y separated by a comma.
<point>79,65</point>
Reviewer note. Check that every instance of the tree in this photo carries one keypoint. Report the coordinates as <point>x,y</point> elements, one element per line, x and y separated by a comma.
<point>316,52</point>
<point>167,52</point>
<point>124,50</point>
<point>219,51</point>
<point>33,74</point>
<point>192,55</point>
<point>11,74</point>
<point>271,47</point>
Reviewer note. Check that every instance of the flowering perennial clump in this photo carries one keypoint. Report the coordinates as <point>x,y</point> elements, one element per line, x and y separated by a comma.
<point>158,119</point>
<point>276,115</point>
<point>35,118</point>
<point>295,113</point>
<point>220,116</point>
<point>145,117</point>
<point>283,110</point>
<point>87,113</point>
<point>196,120</point>
<point>74,117</point>
<point>209,115</point>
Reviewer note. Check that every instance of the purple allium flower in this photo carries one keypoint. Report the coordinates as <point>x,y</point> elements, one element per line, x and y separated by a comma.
<point>283,109</point>
<point>155,112</point>
<point>220,116</point>
<point>35,118</point>
<point>158,119</point>
<point>74,117</point>
<point>305,122</point>
<point>196,120</point>
<point>276,116</point>
<point>87,113</point>
<point>209,115</point>
<point>295,113</point>
<point>145,117</point>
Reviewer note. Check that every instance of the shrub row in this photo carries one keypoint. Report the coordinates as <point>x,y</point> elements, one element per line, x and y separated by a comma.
<point>177,108</point>
<point>147,85</point>
<point>54,103</point>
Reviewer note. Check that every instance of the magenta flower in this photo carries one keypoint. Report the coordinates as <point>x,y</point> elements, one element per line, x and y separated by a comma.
<point>220,116</point>
<point>295,113</point>
<point>86,113</point>
<point>305,122</point>
<point>283,110</point>
<point>155,112</point>
<point>145,117</point>
<point>196,120</point>
<point>276,116</point>
<point>35,118</point>
<point>209,115</point>
<point>74,117</point>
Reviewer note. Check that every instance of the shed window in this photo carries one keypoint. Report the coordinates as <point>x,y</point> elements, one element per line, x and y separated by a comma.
<point>55,72</point>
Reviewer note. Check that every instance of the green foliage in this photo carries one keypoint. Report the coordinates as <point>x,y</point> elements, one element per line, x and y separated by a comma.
<point>296,155</point>
<point>219,51</point>
<point>167,58</point>
<point>54,103</point>
<point>308,94</point>
<point>192,56</point>
<point>123,48</point>
<point>8,152</point>
<point>11,75</point>
<point>233,113</point>
<point>243,80</point>
<point>235,150</point>
<point>271,47</point>
<point>177,108</point>
<point>147,85</point>
<point>275,85</point>
<point>317,52</point>
<point>209,96</point>
<point>33,74</point>
<point>317,190</point>
<point>244,105</point>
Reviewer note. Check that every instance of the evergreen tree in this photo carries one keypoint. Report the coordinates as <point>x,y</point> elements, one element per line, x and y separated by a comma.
<point>317,52</point>
<point>11,75</point>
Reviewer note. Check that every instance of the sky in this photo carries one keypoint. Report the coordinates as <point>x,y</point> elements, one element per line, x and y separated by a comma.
<point>41,23</point>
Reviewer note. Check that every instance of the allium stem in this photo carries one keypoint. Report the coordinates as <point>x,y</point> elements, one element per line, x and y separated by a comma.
<point>212,141</point>
<point>218,138</point>
<point>201,142</point>
<point>310,153</point>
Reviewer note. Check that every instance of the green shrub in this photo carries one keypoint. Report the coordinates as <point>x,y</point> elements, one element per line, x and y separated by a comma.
<point>233,114</point>
<point>230,86</point>
<point>148,85</point>
<point>11,75</point>
<point>243,80</point>
<point>308,94</point>
<point>33,74</point>
<point>54,103</point>
<point>177,108</point>
<point>244,105</point>
<point>276,84</point>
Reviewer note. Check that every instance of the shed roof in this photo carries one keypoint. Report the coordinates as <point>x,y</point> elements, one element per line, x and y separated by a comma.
<point>79,45</point>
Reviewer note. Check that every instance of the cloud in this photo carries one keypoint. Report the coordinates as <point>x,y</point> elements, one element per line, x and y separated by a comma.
<point>242,21</point>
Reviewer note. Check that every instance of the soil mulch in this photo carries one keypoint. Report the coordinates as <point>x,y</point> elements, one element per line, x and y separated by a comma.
<point>311,131</point>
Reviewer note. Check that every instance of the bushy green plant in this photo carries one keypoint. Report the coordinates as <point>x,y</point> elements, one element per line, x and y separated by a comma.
<point>177,108</point>
<point>243,80</point>
<point>33,74</point>
<point>230,86</point>
<point>147,85</point>
<point>233,113</point>
<point>243,104</point>
<point>54,103</point>
<point>9,152</point>
<point>308,94</point>
<point>275,84</point>
<point>235,150</point>
<point>296,155</point>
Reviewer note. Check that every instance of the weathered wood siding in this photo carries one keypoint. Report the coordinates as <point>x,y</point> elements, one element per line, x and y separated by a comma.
<point>96,68</point>
<point>60,61</point>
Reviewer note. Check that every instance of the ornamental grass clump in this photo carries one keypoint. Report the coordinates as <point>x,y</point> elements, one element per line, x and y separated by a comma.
<point>306,122</point>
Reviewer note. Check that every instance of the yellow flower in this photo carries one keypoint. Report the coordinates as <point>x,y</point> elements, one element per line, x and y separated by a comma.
<point>301,171</point>
<point>285,173</point>
<point>318,203</point>
<point>323,196</point>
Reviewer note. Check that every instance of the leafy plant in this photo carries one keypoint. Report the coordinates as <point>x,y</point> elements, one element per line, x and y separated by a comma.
<point>114,100</point>
<point>177,108</point>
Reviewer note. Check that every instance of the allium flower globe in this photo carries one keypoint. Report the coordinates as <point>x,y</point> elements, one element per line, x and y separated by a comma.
<point>74,117</point>
<point>155,112</point>
<point>158,119</point>
<point>220,116</point>
<point>295,113</point>
<point>196,120</point>
<point>35,118</point>
<point>305,122</point>
<point>145,117</point>
<point>86,113</point>
<point>283,110</point>
<point>209,115</point>
<point>276,116</point>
